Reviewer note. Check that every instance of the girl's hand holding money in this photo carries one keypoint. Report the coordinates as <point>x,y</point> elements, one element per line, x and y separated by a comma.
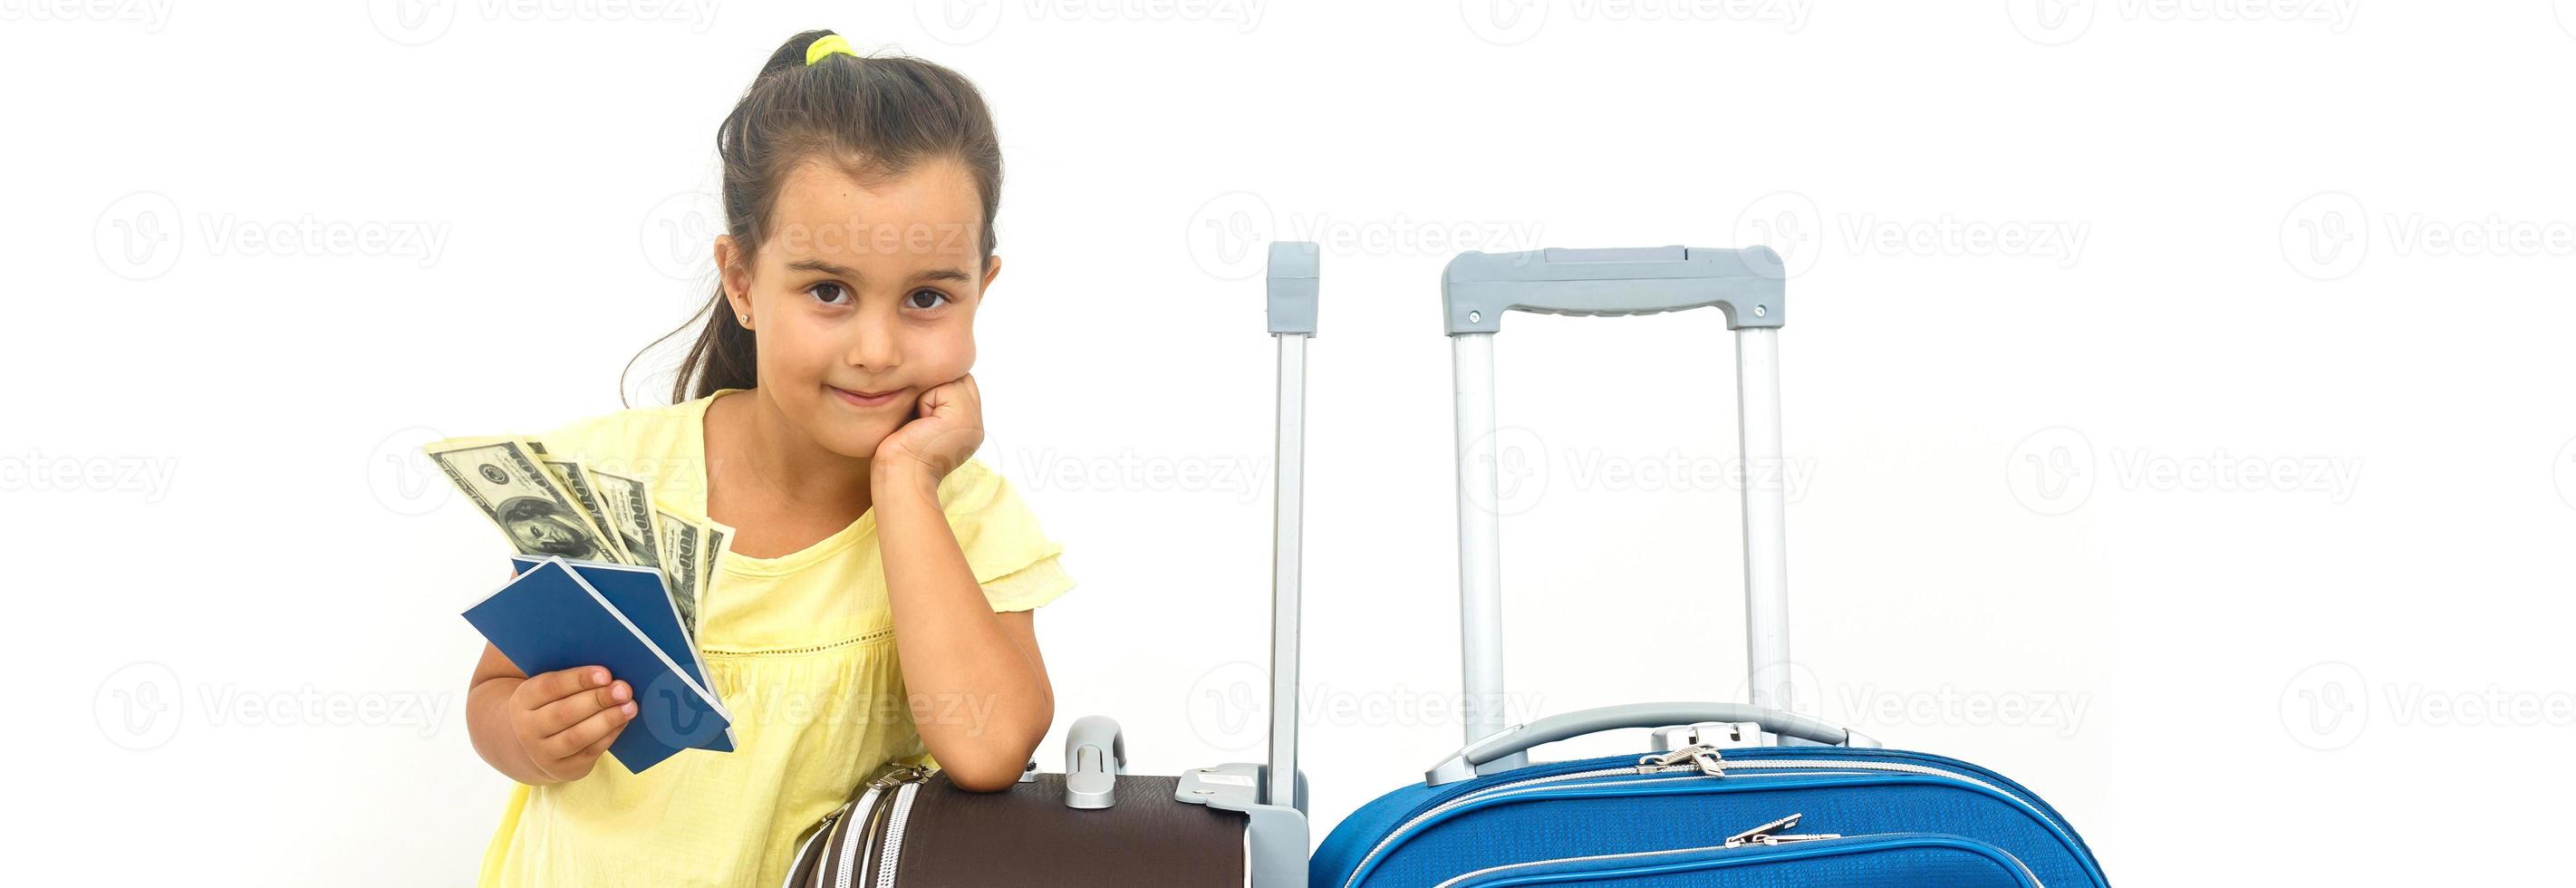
<point>565,719</point>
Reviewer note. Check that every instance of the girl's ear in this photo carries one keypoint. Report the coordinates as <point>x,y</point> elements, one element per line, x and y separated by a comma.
<point>992,269</point>
<point>736,275</point>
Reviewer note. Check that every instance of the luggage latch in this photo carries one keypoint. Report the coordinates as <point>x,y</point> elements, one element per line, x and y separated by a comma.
<point>1770,834</point>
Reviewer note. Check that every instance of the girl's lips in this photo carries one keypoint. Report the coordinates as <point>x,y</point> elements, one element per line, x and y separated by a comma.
<point>858,399</point>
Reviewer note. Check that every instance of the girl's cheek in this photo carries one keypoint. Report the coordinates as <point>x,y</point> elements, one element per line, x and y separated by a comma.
<point>955,347</point>
<point>801,350</point>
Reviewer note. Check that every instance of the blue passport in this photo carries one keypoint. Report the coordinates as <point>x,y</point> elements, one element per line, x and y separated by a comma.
<point>638,592</point>
<point>551,618</point>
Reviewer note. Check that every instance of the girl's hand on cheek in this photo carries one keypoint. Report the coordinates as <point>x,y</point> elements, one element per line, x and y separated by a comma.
<point>947,427</point>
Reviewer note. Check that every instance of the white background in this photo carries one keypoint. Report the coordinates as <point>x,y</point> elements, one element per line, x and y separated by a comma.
<point>2060,279</point>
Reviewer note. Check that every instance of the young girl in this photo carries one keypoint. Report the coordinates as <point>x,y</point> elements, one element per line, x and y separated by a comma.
<point>874,608</point>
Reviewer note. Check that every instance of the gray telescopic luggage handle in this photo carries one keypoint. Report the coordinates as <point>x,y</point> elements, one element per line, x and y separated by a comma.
<point>1749,286</point>
<point>1294,289</point>
<point>1273,796</point>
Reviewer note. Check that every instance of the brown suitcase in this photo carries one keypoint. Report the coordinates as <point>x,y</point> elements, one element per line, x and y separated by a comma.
<point>1237,824</point>
<point>1024,836</point>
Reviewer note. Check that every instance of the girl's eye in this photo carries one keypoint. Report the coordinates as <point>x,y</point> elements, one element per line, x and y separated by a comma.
<point>830,293</point>
<point>937,299</point>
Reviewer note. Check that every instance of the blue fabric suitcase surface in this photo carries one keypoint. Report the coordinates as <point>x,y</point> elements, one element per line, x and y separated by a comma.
<point>1886,861</point>
<point>1731,794</point>
<point>1773,855</point>
<point>1575,814</point>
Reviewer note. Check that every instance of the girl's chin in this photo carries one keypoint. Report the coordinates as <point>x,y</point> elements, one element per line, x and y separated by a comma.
<point>855,445</point>
<point>843,434</point>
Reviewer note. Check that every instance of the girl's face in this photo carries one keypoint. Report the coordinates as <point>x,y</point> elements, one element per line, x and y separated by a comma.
<point>863,297</point>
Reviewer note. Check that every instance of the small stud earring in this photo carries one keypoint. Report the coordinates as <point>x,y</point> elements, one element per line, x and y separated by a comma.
<point>745,319</point>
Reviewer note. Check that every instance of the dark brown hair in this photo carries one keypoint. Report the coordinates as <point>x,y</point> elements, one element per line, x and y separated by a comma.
<point>877,117</point>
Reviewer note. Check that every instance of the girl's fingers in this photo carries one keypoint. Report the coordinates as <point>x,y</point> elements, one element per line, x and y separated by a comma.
<point>600,727</point>
<point>955,391</point>
<point>559,716</point>
<point>598,747</point>
<point>547,687</point>
<point>578,764</point>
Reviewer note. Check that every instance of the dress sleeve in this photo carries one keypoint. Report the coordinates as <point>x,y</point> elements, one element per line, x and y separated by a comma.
<point>1010,554</point>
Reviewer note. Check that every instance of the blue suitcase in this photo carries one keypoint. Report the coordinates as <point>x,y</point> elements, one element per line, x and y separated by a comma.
<point>1730,794</point>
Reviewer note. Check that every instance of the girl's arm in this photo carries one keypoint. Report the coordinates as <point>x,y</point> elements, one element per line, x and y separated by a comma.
<point>979,689</point>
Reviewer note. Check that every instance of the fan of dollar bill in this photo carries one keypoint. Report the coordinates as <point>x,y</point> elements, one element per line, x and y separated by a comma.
<point>548,505</point>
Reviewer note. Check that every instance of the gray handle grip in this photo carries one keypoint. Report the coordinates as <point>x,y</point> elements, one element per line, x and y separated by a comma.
<point>1095,753</point>
<point>1749,285</point>
<point>1461,765</point>
<point>1294,269</point>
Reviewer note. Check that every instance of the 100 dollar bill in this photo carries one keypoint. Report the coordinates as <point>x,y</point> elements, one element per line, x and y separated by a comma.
<point>505,479</point>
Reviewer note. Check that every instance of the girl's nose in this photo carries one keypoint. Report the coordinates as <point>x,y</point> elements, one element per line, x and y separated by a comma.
<point>874,342</point>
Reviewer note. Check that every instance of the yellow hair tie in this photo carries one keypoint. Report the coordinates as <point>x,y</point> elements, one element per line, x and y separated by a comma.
<point>828,44</point>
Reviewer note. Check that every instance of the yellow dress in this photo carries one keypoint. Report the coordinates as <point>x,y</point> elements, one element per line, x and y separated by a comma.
<point>800,647</point>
